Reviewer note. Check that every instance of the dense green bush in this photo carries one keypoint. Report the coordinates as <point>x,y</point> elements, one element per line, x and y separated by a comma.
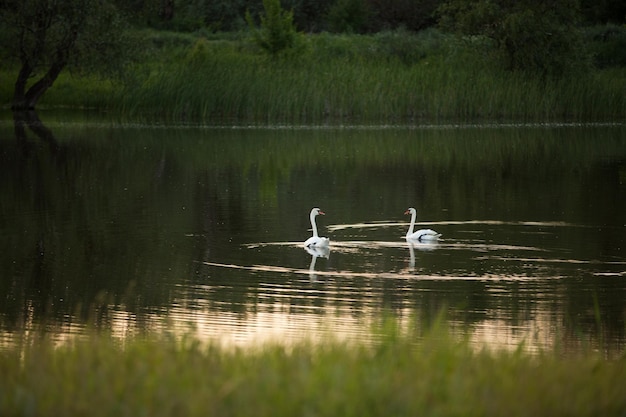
<point>349,16</point>
<point>408,47</point>
<point>277,33</point>
<point>607,45</point>
<point>530,35</point>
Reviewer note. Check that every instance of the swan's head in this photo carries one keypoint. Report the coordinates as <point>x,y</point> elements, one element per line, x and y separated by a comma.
<point>317,211</point>
<point>410,210</point>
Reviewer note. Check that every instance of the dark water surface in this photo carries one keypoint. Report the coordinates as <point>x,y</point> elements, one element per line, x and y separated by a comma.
<point>198,230</point>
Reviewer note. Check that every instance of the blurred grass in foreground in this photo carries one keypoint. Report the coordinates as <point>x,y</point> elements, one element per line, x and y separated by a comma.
<point>398,375</point>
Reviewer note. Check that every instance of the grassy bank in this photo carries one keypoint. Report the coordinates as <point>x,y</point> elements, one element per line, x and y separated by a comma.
<point>394,377</point>
<point>384,78</point>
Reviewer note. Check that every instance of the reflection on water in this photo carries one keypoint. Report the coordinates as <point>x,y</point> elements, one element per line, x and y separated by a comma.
<point>316,252</point>
<point>503,294</point>
<point>200,230</point>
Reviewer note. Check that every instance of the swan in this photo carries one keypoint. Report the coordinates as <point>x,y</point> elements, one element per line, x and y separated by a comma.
<point>315,240</point>
<point>422,235</point>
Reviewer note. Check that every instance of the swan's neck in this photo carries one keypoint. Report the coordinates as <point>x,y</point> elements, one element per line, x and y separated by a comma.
<point>412,226</point>
<point>313,225</point>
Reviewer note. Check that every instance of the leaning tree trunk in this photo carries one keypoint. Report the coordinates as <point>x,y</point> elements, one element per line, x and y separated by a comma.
<point>27,99</point>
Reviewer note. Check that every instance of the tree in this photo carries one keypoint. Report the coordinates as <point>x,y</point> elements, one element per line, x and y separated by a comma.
<point>278,32</point>
<point>46,36</point>
<point>529,35</point>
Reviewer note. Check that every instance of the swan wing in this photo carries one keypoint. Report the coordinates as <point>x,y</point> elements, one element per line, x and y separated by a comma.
<point>316,241</point>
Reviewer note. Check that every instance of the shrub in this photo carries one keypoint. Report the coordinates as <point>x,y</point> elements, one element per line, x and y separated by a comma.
<point>277,33</point>
<point>607,45</point>
<point>530,35</point>
<point>349,16</point>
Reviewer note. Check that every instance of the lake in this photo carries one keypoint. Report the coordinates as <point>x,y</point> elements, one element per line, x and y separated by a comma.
<point>196,230</point>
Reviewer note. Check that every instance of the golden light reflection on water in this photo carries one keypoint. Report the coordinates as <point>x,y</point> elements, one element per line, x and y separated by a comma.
<point>273,318</point>
<point>534,336</point>
<point>277,323</point>
<point>318,300</point>
<point>281,312</point>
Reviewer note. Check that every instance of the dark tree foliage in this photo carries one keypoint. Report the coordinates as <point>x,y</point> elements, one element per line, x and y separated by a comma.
<point>225,15</point>
<point>603,11</point>
<point>529,35</point>
<point>608,45</point>
<point>413,15</point>
<point>147,12</point>
<point>191,15</point>
<point>43,37</point>
<point>309,15</point>
<point>315,16</point>
<point>321,15</point>
<point>352,16</point>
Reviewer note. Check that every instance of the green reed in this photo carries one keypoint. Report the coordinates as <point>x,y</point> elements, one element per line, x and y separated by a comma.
<point>322,84</point>
<point>385,78</point>
<point>398,374</point>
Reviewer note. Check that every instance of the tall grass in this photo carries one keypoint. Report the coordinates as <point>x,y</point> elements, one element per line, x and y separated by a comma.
<point>366,79</point>
<point>396,376</point>
<point>384,78</point>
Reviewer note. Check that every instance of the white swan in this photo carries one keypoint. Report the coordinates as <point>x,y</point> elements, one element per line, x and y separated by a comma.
<point>315,240</point>
<point>422,235</point>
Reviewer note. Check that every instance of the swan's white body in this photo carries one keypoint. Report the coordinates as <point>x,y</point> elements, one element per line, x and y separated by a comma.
<point>318,251</point>
<point>422,235</point>
<point>315,240</point>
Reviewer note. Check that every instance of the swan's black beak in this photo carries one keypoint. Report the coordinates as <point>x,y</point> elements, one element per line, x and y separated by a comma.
<point>322,213</point>
<point>407,212</point>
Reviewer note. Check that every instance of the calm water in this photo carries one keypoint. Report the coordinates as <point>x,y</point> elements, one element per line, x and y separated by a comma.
<point>137,229</point>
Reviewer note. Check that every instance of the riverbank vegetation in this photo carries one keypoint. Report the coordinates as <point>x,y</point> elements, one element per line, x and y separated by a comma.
<point>396,375</point>
<point>384,78</point>
<point>351,72</point>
